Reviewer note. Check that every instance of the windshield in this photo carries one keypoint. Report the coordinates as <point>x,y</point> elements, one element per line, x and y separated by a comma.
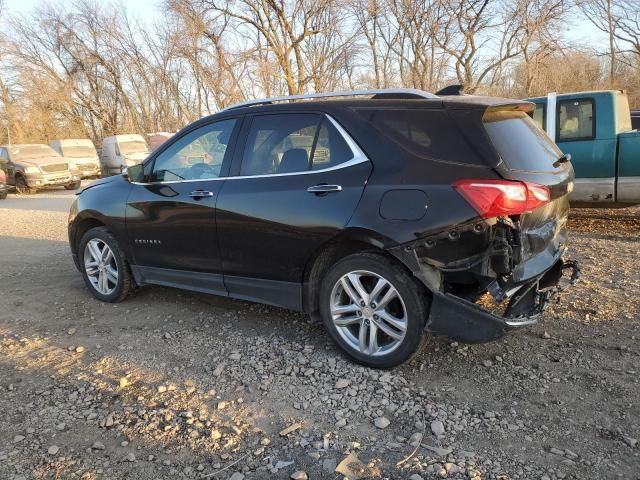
<point>26,152</point>
<point>78,151</point>
<point>132,146</point>
<point>520,143</point>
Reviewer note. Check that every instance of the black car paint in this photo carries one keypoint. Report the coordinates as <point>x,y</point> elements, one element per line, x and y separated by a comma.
<point>258,237</point>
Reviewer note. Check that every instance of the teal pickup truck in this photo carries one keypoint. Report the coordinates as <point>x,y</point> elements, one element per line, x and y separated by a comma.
<point>595,129</point>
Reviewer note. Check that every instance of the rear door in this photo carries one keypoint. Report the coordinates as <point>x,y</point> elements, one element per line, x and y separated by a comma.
<point>298,180</point>
<point>171,217</point>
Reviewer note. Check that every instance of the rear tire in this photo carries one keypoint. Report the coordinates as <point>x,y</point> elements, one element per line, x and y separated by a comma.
<point>3,195</point>
<point>103,266</point>
<point>374,310</point>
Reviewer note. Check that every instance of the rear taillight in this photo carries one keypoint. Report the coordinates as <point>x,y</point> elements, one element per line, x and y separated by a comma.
<point>499,198</point>
<point>3,177</point>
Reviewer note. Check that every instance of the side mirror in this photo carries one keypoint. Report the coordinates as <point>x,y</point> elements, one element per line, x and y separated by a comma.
<point>134,173</point>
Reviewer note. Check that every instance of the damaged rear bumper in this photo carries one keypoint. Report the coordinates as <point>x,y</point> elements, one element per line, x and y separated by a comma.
<point>465,321</point>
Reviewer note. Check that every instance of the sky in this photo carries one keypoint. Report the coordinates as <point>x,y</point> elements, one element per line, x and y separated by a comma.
<point>580,31</point>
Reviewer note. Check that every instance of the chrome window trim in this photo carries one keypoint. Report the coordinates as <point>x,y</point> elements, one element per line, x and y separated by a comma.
<point>358,157</point>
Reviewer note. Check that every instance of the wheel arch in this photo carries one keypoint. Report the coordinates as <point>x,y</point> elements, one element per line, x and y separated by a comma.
<point>351,241</point>
<point>82,223</point>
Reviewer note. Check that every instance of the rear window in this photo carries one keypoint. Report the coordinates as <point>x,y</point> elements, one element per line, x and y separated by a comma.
<point>519,142</point>
<point>425,133</point>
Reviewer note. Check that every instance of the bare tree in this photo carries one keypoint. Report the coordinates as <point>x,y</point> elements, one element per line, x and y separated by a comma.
<point>601,13</point>
<point>470,28</point>
<point>284,27</point>
<point>540,22</point>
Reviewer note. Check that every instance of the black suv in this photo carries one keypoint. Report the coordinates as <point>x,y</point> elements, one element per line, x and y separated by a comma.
<point>385,216</point>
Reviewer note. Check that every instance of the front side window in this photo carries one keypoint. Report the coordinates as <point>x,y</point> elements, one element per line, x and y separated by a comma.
<point>196,156</point>
<point>290,143</point>
<point>575,120</point>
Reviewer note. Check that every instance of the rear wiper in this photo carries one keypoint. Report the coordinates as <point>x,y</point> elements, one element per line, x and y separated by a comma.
<point>563,159</point>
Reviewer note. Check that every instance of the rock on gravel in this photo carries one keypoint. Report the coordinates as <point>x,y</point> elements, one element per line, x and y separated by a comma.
<point>381,422</point>
<point>299,475</point>
<point>53,450</point>
<point>236,476</point>
<point>343,383</point>
<point>437,427</point>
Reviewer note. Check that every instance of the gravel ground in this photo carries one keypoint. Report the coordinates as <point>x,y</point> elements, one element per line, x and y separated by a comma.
<point>171,384</point>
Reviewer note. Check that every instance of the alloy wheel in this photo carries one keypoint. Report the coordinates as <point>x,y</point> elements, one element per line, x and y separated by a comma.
<point>100,266</point>
<point>368,312</point>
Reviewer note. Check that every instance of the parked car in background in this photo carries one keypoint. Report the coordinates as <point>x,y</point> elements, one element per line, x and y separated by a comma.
<point>635,119</point>
<point>416,210</point>
<point>80,152</point>
<point>155,140</point>
<point>30,167</point>
<point>595,129</point>
<point>120,151</point>
<point>4,188</point>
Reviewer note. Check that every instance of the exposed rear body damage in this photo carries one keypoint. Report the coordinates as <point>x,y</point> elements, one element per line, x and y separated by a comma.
<point>498,270</point>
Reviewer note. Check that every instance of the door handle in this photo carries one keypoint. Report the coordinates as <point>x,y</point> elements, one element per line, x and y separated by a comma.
<point>324,188</point>
<point>201,194</point>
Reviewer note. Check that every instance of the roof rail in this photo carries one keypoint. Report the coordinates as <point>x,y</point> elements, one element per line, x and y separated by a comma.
<point>375,93</point>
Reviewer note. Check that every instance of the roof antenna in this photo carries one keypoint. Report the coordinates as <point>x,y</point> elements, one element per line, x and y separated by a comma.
<point>451,90</point>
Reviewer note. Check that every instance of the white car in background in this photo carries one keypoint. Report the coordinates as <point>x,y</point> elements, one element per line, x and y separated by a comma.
<point>81,152</point>
<point>120,151</point>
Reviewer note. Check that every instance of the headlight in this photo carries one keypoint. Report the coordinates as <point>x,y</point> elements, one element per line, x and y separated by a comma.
<point>31,170</point>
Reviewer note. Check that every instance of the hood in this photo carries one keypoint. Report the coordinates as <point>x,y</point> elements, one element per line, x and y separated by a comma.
<point>93,159</point>
<point>41,161</point>
<point>101,181</point>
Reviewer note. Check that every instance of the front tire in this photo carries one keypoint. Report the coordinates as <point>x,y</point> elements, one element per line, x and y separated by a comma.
<point>103,265</point>
<point>73,186</point>
<point>22,187</point>
<point>374,310</point>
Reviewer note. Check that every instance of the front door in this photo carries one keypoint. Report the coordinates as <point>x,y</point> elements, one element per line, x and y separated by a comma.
<point>300,180</point>
<point>171,217</point>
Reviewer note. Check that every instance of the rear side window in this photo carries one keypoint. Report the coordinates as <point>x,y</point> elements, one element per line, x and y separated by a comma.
<point>290,143</point>
<point>424,133</point>
<point>519,142</point>
<point>575,120</point>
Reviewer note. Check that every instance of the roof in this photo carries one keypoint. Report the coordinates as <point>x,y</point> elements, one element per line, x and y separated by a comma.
<point>580,94</point>
<point>453,102</point>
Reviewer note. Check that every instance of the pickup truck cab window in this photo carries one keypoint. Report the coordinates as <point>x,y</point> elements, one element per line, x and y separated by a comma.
<point>196,156</point>
<point>540,116</point>
<point>576,120</point>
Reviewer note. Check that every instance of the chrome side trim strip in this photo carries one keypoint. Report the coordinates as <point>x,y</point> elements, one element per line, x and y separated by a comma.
<point>344,93</point>
<point>358,157</point>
